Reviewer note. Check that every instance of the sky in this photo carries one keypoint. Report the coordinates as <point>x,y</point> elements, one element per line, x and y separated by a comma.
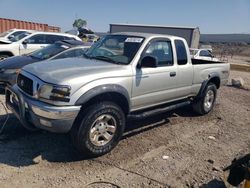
<point>211,16</point>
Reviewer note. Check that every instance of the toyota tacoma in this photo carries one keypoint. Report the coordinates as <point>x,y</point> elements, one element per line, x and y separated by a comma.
<point>123,75</point>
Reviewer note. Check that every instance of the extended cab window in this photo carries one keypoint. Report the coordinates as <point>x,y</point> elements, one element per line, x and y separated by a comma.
<point>162,51</point>
<point>181,52</point>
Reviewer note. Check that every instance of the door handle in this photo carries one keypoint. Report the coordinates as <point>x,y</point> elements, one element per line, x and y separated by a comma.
<point>172,74</point>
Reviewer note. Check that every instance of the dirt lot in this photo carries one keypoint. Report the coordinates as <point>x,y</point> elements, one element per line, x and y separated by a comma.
<point>48,160</point>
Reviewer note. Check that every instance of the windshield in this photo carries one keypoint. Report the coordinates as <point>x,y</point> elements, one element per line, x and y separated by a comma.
<point>4,34</point>
<point>49,51</point>
<point>119,49</point>
<point>19,36</point>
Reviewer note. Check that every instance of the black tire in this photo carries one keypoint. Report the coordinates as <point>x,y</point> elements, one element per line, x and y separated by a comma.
<point>3,56</point>
<point>87,120</point>
<point>30,127</point>
<point>200,105</point>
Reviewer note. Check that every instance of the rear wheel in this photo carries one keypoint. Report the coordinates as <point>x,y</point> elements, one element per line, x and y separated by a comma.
<point>206,103</point>
<point>98,129</point>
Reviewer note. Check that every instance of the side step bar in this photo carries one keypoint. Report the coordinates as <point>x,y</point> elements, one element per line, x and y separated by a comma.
<point>156,111</point>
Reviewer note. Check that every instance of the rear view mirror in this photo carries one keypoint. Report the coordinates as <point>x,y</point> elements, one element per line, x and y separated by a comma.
<point>148,61</point>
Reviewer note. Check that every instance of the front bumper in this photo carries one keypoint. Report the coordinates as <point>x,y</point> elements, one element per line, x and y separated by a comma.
<point>32,112</point>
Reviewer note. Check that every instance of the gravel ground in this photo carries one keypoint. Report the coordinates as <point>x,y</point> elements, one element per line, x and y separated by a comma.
<point>170,150</point>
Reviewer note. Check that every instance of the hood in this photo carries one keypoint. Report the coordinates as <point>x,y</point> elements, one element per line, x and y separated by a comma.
<point>4,41</point>
<point>70,71</point>
<point>17,62</point>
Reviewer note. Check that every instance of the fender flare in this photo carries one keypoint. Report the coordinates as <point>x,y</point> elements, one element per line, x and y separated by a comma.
<point>98,90</point>
<point>205,82</point>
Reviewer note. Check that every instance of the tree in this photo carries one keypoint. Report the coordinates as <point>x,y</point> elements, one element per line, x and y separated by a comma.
<point>79,23</point>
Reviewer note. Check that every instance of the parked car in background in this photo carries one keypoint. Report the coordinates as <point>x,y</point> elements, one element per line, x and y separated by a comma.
<point>32,42</point>
<point>203,54</point>
<point>122,75</point>
<point>7,36</point>
<point>10,67</point>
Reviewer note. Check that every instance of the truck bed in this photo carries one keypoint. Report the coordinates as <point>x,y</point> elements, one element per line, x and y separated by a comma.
<point>204,68</point>
<point>201,61</point>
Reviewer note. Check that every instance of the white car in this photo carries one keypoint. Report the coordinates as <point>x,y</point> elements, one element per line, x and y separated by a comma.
<point>7,36</point>
<point>23,45</point>
<point>203,54</point>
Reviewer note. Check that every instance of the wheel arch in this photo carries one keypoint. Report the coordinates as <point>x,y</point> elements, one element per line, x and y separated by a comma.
<point>110,92</point>
<point>6,53</point>
<point>212,78</point>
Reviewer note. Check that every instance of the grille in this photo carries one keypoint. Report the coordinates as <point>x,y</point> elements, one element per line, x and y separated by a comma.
<point>25,84</point>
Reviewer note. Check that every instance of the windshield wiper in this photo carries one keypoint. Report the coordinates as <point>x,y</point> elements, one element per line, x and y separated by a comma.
<point>107,59</point>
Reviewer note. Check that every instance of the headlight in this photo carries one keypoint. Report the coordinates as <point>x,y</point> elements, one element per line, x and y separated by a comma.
<point>54,92</point>
<point>11,71</point>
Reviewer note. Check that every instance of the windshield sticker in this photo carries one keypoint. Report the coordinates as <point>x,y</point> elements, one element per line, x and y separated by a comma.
<point>65,47</point>
<point>137,40</point>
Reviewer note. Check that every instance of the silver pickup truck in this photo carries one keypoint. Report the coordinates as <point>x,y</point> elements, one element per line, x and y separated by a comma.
<point>123,75</point>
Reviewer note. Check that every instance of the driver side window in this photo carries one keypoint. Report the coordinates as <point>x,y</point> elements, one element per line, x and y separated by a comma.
<point>162,51</point>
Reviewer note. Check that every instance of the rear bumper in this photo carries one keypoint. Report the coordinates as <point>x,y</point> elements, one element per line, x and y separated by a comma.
<point>32,112</point>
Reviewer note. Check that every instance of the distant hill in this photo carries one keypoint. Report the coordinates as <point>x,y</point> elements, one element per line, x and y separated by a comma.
<point>206,38</point>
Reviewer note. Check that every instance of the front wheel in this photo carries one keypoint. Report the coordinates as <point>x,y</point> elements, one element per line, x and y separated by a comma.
<point>206,103</point>
<point>98,129</point>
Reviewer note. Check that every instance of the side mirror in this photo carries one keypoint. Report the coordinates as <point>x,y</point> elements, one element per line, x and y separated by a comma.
<point>25,42</point>
<point>148,61</point>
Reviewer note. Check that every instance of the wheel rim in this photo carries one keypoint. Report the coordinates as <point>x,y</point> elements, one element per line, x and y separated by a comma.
<point>209,100</point>
<point>103,130</point>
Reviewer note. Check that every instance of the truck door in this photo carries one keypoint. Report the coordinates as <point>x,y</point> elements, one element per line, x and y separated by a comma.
<point>156,85</point>
<point>185,70</point>
<point>33,43</point>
